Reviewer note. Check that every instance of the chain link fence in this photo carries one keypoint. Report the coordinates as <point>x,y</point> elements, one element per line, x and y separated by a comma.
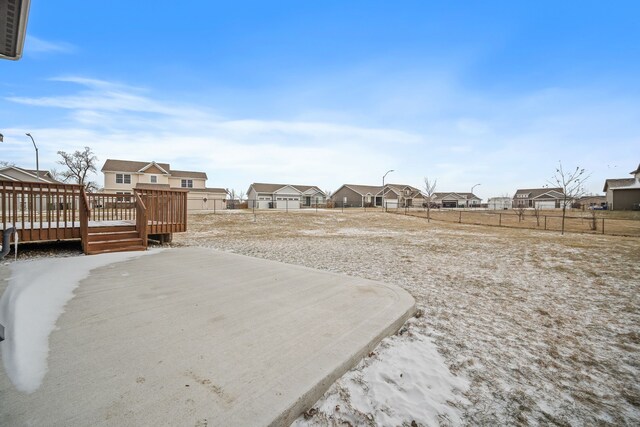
<point>593,222</point>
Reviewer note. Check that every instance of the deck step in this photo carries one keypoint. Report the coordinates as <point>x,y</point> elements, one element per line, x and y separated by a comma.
<point>112,229</point>
<point>110,244</point>
<point>119,249</point>
<point>101,237</point>
<point>113,238</point>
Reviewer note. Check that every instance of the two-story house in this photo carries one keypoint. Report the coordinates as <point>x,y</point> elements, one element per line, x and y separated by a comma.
<point>123,176</point>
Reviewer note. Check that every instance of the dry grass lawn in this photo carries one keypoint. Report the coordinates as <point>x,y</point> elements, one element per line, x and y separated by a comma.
<point>546,327</point>
<point>619,223</point>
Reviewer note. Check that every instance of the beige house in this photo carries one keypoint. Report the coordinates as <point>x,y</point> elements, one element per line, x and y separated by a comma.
<point>284,196</point>
<point>456,200</point>
<point>624,193</point>
<point>402,195</point>
<point>123,176</point>
<point>540,198</point>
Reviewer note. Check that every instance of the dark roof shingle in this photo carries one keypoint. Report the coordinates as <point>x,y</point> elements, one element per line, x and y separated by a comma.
<point>114,165</point>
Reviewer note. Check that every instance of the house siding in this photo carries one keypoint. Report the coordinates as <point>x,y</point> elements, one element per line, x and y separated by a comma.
<point>624,200</point>
<point>176,182</point>
<point>207,201</point>
<point>354,199</point>
<point>110,184</point>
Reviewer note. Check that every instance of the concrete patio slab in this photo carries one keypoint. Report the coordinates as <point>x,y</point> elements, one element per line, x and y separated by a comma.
<point>199,337</point>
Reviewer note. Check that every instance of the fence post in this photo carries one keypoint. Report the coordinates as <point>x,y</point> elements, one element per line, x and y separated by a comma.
<point>602,225</point>
<point>286,205</point>
<point>499,220</point>
<point>545,222</point>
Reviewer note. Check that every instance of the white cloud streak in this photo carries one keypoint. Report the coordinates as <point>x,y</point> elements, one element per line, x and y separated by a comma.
<point>503,143</point>
<point>37,45</point>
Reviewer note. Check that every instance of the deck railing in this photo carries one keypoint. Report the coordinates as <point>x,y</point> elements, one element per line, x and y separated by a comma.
<point>166,210</point>
<point>41,211</point>
<point>85,216</point>
<point>141,218</point>
<point>45,211</point>
<point>112,206</point>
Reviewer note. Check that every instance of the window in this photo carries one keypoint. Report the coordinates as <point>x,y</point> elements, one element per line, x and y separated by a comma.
<point>186,183</point>
<point>123,178</point>
<point>153,179</point>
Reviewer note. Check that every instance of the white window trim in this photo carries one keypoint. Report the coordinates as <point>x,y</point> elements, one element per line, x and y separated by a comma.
<point>123,178</point>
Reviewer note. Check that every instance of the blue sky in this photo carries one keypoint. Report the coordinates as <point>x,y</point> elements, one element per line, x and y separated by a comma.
<point>333,92</point>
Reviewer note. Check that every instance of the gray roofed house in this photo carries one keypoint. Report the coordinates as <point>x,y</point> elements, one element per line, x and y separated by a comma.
<point>456,200</point>
<point>542,198</point>
<point>284,196</point>
<point>17,174</point>
<point>395,195</point>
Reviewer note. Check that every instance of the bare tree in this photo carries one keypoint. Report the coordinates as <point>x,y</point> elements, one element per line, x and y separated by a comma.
<point>79,164</point>
<point>593,221</point>
<point>520,210</point>
<point>536,213</point>
<point>56,174</point>
<point>572,184</point>
<point>429,190</point>
<point>241,196</point>
<point>5,164</point>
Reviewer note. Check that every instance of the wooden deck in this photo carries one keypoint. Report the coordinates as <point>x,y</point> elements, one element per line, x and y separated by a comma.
<point>103,222</point>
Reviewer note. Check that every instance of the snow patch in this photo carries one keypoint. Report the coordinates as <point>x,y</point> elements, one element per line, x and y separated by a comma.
<point>31,304</point>
<point>405,381</point>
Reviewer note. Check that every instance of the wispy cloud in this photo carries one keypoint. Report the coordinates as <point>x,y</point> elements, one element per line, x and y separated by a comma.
<point>501,142</point>
<point>120,121</point>
<point>37,45</point>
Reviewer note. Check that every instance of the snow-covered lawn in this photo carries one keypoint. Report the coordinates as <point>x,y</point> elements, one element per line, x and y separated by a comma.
<point>519,326</point>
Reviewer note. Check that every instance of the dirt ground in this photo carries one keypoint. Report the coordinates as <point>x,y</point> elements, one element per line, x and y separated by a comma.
<point>545,327</point>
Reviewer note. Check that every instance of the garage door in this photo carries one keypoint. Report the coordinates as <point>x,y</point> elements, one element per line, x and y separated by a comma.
<point>391,204</point>
<point>195,204</point>
<point>546,204</point>
<point>288,204</point>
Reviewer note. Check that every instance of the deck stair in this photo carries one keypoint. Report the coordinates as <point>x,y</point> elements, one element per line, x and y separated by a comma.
<point>104,222</point>
<point>118,238</point>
